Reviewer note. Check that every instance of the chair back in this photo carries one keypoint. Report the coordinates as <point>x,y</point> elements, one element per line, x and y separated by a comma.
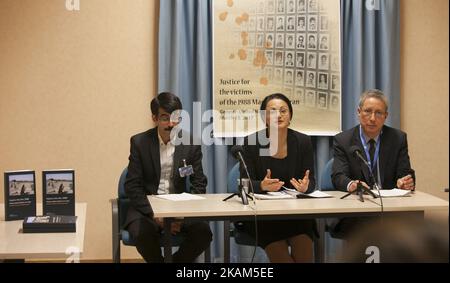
<point>121,187</point>
<point>123,204</point>
<point>233,176</point>
<point>325,177</point>
<point>123,201</point>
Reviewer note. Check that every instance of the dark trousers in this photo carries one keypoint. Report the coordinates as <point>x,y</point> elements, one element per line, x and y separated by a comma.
<point>147,234</point>
<point>344,228</point>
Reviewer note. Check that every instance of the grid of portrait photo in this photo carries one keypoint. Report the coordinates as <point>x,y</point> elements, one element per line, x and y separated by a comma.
<point>301,48</point>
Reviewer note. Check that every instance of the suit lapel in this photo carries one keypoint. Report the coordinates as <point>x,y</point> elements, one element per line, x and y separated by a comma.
<point>154,150</point>
<point>384,154</point>
<point>357,141</point>
<point>292,155</point>
<point>177,155</point>
<point>177,163</point>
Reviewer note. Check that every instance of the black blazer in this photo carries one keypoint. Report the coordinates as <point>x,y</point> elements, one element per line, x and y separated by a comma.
<point>300,159</point>
<point>144,171</point>
<point>393,158</point>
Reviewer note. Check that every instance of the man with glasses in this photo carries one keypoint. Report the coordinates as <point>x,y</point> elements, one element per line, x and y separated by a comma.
<point>384,148</point>
<point>159,164</point>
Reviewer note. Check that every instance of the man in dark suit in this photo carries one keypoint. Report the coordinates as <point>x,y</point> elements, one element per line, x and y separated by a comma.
<point>383,147</point>
<point>156,157</point>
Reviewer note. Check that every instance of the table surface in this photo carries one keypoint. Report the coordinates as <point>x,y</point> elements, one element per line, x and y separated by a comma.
<point>17,245</point>
<point>213,206</point>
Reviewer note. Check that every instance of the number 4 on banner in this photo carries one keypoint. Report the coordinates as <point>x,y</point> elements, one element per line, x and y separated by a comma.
<point>73,5</point>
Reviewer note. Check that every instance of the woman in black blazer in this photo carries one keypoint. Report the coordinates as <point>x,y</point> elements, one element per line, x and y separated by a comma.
<point>286,161</point>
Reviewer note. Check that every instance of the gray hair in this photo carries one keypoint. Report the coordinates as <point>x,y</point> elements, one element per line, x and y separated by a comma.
<point>373,93</point>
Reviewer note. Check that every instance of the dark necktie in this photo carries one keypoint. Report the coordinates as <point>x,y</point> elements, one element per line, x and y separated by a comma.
<point>371,150</point>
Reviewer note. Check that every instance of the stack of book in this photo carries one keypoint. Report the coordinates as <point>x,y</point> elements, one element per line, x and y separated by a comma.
<point>49,224</point>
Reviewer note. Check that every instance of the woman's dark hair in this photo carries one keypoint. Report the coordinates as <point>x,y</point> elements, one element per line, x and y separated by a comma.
<point>167,101</point>
<point>276,96</point>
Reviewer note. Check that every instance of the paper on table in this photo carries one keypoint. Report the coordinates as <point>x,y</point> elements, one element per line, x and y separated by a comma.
<point>392,193</point>
<point>180,197</point>
<point>317,194</point>
<point>289,194</point>
<point>274,195</point>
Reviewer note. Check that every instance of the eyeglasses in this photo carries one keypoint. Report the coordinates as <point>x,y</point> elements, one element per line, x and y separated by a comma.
<point>281,112</point>
<point>165,118</point>
<point>366,113</point>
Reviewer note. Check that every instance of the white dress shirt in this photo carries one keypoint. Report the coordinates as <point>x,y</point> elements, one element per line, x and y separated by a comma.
<point>166,152</point>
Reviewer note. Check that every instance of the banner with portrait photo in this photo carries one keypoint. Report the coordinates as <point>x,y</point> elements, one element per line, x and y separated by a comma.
<point>267,46</point>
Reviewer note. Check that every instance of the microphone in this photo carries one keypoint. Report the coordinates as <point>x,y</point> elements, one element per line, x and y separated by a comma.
<point>356,151</point>
<point>237,151</point>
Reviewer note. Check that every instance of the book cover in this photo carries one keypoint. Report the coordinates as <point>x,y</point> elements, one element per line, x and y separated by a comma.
<point>58,192</point>
<point>20,194</point>
<point>49,224</point>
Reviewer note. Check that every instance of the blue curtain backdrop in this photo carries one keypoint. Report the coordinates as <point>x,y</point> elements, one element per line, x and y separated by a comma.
<point>370,54</point>
<point>185,68</point>
<point>370,59</point>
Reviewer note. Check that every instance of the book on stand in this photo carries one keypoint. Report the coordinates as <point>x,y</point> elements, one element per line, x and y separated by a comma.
<point>58,195</point>
<point>20,194</point>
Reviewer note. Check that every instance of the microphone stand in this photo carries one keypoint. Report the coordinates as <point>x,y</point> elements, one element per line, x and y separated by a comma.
<point>360,189</point>
<point>241,191</point>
